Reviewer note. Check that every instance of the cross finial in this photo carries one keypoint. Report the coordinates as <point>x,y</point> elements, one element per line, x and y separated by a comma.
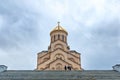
<point>58,23</point>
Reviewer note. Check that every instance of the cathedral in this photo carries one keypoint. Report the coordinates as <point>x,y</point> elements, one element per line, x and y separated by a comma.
<point>59,54</point>
<point>52,64</point>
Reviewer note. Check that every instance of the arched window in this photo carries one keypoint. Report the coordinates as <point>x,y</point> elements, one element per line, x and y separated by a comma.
<point>58,36</point>
<point>58,66</point>
<point>54,37</point>
<point>63,37</point>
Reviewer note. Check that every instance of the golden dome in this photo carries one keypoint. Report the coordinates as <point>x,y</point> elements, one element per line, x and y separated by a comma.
<point>58,28</point>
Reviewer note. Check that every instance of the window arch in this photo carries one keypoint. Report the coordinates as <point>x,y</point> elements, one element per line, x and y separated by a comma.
<point>58,66</point>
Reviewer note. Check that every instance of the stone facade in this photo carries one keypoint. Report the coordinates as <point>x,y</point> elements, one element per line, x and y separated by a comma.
<point>59,54</point>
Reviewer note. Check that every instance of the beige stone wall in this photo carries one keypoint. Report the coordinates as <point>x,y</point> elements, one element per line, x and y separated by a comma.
<point>58,54</point>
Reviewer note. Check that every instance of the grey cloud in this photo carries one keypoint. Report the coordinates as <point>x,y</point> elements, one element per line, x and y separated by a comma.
<point>20,25</point>
<point>102,48</point>
<point>27,24</point>
<point>18,34</point>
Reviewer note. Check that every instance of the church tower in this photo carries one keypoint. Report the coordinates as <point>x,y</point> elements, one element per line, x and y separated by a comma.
<point>59,54</point>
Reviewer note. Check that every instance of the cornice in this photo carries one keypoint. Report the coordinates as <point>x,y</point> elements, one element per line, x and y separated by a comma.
<point>43,55</point>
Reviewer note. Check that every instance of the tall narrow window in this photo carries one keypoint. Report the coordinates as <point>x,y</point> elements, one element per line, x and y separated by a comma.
<point>63,37</point>
<point>58,36</point>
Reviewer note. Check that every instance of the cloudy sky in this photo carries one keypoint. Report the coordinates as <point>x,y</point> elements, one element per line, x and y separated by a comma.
<point>93,27</point>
